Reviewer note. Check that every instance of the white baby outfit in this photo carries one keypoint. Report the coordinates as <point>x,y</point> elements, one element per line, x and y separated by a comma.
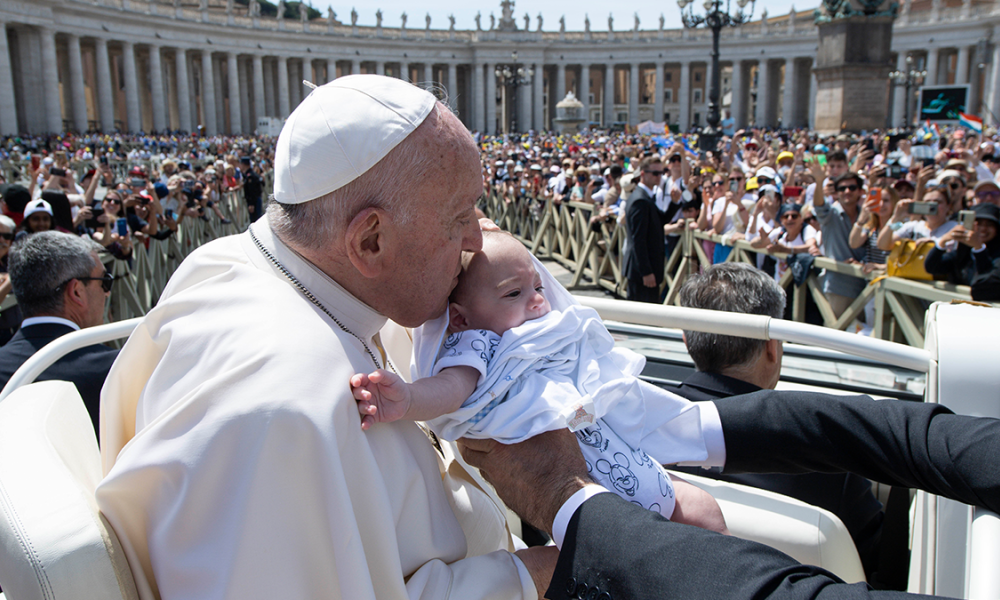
<point>562,370</point>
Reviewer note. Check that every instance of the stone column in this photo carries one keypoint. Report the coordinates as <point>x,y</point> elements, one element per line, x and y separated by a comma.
<point>560,82</point>
<point>50,82</point>
<point>355,67</point>
<point>524,107</point>
<point>962,66</point>
<point>269,101</point>
<point>633,94</point>
<point>295,83</point>
<point>658,96</point>
<point>995,83</point>
<point>813,87</point>
<point>8,106</point>
<point>684,97</point>
<point>584,88</point>
<point>899,92</point>
<point>763,91</point>
<point>233,77</point>
<point>452,84</point>
<point>608,101</point>
<point>105,98</point>
<point>259,103</point>
<point>380,67</point>
<point>77,88</point>
<point>491,100</point>
<point>284,102</point>
<point>247,119</point>
<point>220,97</point>
<point>478,97</point>
<point>208,93</point>
<point>932,66</point>
<point>156,89</point>
<point>789,116</point>
<point>428,72</point>
<point>331,69</point>
<point>183,90</point>
<point>404,71</point>
<point>737,106</point>
<point>131,88</point>
<point>538,89</point>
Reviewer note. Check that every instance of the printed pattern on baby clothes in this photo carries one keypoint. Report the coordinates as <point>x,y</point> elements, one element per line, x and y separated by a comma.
<point>627,471</point>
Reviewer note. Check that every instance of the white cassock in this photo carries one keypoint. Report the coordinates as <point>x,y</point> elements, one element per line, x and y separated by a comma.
<point>235,462</point>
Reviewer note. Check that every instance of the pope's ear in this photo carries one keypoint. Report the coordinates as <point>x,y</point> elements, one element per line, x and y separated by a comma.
<point>456,317</point>
<point>365,240</point>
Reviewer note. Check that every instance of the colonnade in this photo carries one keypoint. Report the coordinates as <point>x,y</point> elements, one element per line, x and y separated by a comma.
<point>75,73</point>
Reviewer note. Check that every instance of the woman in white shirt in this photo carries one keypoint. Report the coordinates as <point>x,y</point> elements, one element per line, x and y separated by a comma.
<point>792,237</point>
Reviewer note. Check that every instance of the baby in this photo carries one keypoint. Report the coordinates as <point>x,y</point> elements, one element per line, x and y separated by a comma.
<point>511,367</point>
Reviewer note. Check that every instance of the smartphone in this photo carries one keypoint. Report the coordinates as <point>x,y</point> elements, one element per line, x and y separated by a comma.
<point>924,208</point>
<point>896,172</point>
<point>169,213</point>
<point>821,158</point>
<point>103,160</point>
<point>967,218</point>
<point>927,162</point>
<point>791,191</point>
<point>733,185</point>
<point>36,161</point>
<point>57,172</point>
<point>122,225</point>
<point>875,196</point>
<point>138,182</point>
<point>869,144</point>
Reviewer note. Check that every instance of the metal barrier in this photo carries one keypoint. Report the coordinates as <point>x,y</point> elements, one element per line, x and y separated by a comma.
<point>563,233</point>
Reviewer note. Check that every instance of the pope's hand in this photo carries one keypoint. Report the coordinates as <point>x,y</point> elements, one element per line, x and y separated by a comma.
<point>382,397</point>
<point>534,477</point>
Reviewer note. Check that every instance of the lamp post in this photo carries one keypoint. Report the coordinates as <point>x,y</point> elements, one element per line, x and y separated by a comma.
<point>715,18</point>
<point>908,79</point>
<point>511,77</point>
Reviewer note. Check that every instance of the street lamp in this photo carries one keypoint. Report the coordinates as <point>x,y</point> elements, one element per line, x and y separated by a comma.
<point>715,18</point>
<point>908,79</point>
<point>513,76</point>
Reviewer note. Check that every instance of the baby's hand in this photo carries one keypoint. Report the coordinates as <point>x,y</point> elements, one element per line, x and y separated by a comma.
<point>382,397</point>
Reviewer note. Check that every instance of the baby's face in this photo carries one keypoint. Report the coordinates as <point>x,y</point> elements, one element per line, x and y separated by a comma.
<point>508,291</point>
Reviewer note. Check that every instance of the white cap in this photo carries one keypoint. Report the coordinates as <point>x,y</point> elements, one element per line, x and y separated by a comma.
<point>341,130</point>
<point>37,206</point>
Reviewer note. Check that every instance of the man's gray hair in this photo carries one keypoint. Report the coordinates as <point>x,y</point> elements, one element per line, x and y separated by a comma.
<point>730,287</point>
<point>389,185</point>
<point>8,222</point>
<point>41,263</point>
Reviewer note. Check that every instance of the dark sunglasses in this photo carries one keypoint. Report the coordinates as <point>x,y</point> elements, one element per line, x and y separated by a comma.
<point>7,236</point>
<point>848,188</point>
<point>718,183</point>
<point>106,280</point>
<point>985,194</point>
<point>791,215</point>
<point>764,180</point>
<point>675,158</point>
<point>651,172</point>
<point>735,179</point>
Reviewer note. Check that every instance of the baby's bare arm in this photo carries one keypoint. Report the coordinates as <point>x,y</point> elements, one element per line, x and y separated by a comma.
<point>384,397</point>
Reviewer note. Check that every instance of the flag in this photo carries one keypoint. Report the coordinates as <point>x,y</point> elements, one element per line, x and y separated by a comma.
<point>971,121</point>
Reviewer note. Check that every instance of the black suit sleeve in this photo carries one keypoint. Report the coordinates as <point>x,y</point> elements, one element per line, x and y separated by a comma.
<point>616,548</point>
<point>900,443</point>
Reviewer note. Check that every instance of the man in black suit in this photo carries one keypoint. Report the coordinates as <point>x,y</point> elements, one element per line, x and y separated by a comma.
<point>61,286</point>
<point>644,260</point>
<point>611,546</point>
<point>731,366</point>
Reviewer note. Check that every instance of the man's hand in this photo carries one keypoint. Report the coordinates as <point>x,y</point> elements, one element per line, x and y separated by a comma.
<point>382,397</point>
<point>649,280</point>
<point>534,477</point>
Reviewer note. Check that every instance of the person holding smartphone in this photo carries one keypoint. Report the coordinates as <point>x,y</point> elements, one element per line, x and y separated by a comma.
<point>963,254</point>
<point>932,226</point>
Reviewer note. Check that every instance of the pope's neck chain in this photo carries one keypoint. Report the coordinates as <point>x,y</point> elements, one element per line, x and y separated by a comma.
<point>309,296</point>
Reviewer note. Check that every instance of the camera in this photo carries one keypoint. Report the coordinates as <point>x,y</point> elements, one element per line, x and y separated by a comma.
<point>896,171</point>
<point>138,182</point>
<point>967,218</point>
<point>924,208</point>
<point>57,172</point>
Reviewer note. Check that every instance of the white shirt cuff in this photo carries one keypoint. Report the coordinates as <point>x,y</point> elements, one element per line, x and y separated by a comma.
<point>711,431</point>
<point>569,508</point>
<point>979,249</point>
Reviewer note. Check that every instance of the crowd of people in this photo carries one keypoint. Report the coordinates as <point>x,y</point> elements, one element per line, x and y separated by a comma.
<point>852,198</point>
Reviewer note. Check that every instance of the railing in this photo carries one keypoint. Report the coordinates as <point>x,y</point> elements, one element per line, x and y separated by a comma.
<point>562,233</point>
